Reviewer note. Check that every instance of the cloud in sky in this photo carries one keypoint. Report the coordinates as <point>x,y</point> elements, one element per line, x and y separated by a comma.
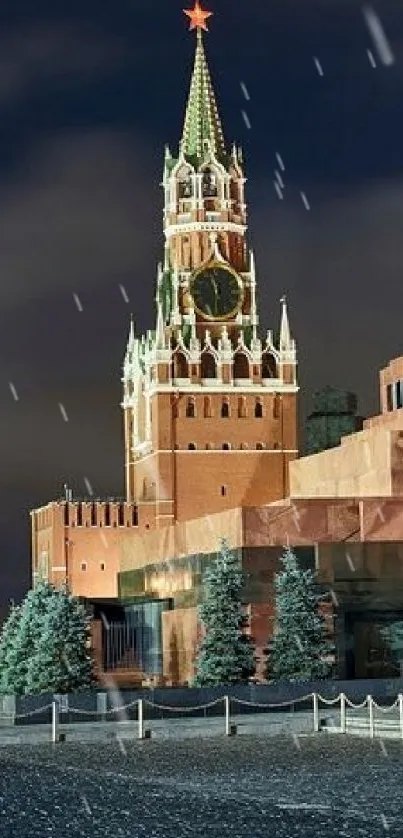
<point>31,55</point>
<point>82,215</point>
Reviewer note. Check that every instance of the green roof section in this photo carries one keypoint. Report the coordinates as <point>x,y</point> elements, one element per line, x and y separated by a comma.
<point>202,121</point>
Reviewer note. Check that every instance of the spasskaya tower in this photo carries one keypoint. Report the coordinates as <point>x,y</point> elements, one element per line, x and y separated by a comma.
<point>209,405</point>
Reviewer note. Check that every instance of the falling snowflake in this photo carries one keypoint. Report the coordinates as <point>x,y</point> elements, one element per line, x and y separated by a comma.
<point>105,621</point>
<point>278,190</point>
<point>280,161</point>
<point>86,804</point>
<point>88,486</point>
<point>318,66</point>
<point>378,36</point>
<point>13,391</point>
<point>245,91</point>
<point>371,58</point>
<point>279,178</point>
<point>298,642</point>
<point>305,201</point>
<point>383,747</point>
<point>103,538</point>
<point>334,598</point>
<point>124,293</point>
<point>350,562</point>
<point>63,412</point>
<point>246,119</point>
<point>121,746</point>
<point>77,301</point>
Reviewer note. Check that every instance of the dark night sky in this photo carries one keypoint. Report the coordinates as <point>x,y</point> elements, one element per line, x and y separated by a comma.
<point>89,94</point>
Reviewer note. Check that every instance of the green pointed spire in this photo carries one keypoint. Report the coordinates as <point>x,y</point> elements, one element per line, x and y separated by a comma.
<point>202,121</point>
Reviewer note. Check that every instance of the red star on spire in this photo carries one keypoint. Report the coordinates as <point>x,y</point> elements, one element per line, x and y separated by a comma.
<point>198,17</point>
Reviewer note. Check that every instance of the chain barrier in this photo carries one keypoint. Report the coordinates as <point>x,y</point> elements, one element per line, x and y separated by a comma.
<point>356,706</point>
<point>95,712</point>
<point>31,712</point>
<point>386,709</point>
<point>183,709</point>
<point>280,703</point>
<point>330,700</point>
<point>259,705</point>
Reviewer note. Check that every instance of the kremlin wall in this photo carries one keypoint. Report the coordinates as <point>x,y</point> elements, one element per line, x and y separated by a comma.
<point>210,451</point>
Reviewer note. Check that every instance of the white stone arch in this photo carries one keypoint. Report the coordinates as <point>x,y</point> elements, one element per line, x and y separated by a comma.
<point>242,361</point>
<point>269,361</point>
<point>217,170</point>
<point>181,169</point>
<point>209,362</point>
<point>180,362</point>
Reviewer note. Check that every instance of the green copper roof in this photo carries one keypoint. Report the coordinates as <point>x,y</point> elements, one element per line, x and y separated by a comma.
<point>202,121</point>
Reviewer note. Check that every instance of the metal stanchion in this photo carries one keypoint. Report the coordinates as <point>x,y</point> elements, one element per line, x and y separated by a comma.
<point>227,716</point>
<point>140,715</point>
<point>55,722</point>
<point>371,716</point>
<point>401,714</point>
<point>342,713</point>
<point>315,713</point>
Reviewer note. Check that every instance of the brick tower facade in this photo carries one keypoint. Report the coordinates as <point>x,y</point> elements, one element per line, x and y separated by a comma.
<point>209,406</point>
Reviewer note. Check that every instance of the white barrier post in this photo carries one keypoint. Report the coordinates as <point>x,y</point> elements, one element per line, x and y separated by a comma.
<point>401,714</point>
<point>140,715</point>
<point>227,716</point>
<point>315,713</point>
<point>55,722</point>
<point>371,716</point>
<point>342,713</point>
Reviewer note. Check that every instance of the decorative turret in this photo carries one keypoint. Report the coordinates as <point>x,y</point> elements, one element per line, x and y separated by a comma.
<point>202,126</point>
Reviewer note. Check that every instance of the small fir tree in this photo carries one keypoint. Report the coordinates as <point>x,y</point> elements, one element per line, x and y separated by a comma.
<point>61,662</point>
<point>23,643</point>
<point>225,654</point>
<point>7,638</point>
<point>299,649</point>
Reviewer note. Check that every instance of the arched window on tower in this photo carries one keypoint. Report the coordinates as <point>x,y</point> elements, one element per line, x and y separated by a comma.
<point>208,365</point>
<point>185,186</point>
<point>190,408</point>
<point>258,409</point>
<point>209,184</point>
<point>269,369</point>
<point>225,409</point>
<point>241,365</point>
<point>180,367</point>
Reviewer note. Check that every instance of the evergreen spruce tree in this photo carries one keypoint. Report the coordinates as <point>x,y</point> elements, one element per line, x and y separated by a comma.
<point>7,638</point>
<point>23,643</point>
<point>225,654</point>
<point>299,648</point>
<point>61,662</point>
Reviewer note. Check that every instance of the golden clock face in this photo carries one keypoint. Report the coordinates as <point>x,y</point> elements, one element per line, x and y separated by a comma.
<point>216,291</point>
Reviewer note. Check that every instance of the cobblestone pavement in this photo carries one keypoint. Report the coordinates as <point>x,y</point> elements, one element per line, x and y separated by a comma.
<point>243,787</point>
